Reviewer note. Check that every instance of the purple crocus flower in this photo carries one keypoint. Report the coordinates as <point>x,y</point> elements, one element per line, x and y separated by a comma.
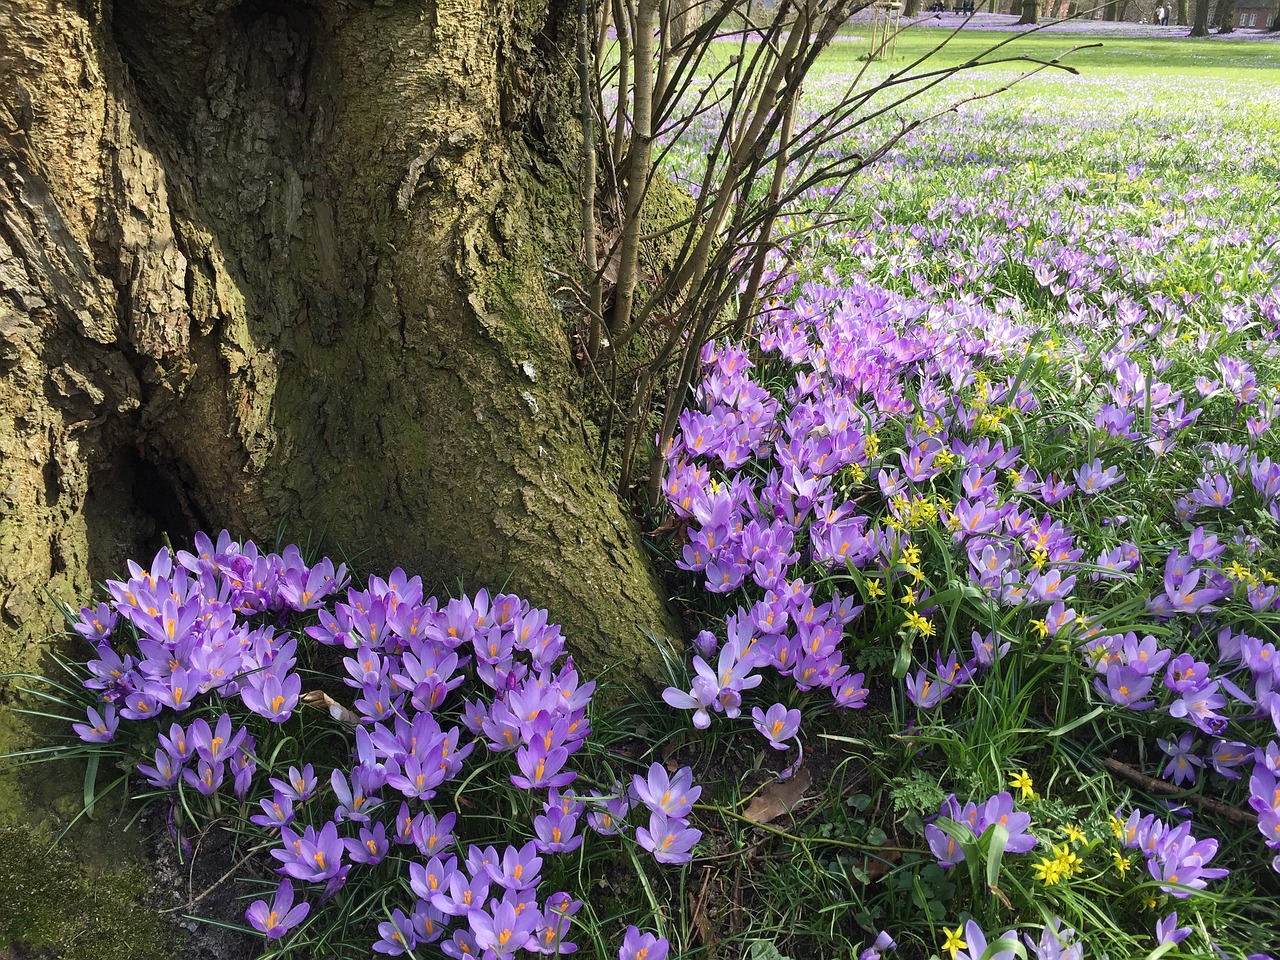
<point>215,744</point>
<point>519,868</point>
<point>276,813</point>
<point>315,856</point>
<point>1182,762</point>
<point>101,727</point>
<point>557,917</point>
<point>643,946</point>
<point>777,724</point>
<point>999,811</point>
<point>508,929</point>
<point>1125,686</point>
<point>609,816</point>
<point>976,945</point>
<point>369,847</point>
<point>540,767</point>
<point>1168,931</point>
<point>433,878</point>
<point>273,698</point>
<point>945,848</point>
<point>432,836</point>
<point>395,936</point>
<point>206,777</point>
<point>281,915</point>
<point>96,623</point>
<point>556,831</point>
<point>881,943</point>
<point>673,796</point>
<point>1055,943</point>
<point>166,772</point>
<point>298,785</point>
<point>1092,478</point>
<point>668,839</point>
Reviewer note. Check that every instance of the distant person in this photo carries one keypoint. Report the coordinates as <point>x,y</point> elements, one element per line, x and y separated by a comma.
<point>1160,15</point>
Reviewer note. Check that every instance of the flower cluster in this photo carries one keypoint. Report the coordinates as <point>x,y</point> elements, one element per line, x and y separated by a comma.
<point>205,632</point>
<point>1175,858</point>
<point>998,810</point>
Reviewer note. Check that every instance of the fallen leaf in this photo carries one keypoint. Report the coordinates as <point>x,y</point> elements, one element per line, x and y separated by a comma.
<point>318,698</point>
<point>778,798</point>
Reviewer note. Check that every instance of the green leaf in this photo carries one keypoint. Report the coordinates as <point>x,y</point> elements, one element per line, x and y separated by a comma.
<point>763,950</point>
<point>1079,721</point>
<point>996,840</point>
<point>90,783</point>
<point>1002,945</point>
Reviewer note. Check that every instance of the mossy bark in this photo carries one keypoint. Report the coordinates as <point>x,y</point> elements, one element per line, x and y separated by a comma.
<point>287,267</point>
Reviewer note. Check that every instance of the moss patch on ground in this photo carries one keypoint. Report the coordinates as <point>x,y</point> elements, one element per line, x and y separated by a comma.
<point>53,900</point>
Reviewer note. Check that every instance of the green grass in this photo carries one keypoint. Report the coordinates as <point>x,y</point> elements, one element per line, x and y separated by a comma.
<point>1174,58</point>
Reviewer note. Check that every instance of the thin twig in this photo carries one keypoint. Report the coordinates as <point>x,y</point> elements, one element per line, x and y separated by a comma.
<point>1152,785</point>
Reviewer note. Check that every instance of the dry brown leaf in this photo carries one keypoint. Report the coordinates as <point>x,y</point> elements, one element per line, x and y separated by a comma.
<point>778,798</point>
<point>318,698</point>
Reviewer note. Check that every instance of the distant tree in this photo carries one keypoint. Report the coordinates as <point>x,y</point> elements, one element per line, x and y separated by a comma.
<point>1030,11</point>
<point>1201,26</point>
<point>1180,15</point>
<point>1226,16</point>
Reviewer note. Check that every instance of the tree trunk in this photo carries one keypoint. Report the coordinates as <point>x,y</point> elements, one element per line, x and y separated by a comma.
<point>1226,16</point>
<point>287,269</point>
<point>1201,26</point>
<point>1181,13</point>
<point>911,8</point>
<point>1030,11</point>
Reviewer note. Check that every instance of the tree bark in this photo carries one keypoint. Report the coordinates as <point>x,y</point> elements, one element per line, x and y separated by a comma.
<point>1181,13</point>
<point>1201,26</point>
<point>1030,11</point>
<point>1226,16</point>
<point>287,269</point>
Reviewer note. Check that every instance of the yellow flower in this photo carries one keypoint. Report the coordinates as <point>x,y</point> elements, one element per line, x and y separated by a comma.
<point>1039,557</point>
<point>908,597</point>
<point>1148,903</point>
<point>1122,865</point>
<point>1022,781</point>
<point>920,623</point>
<point>1117,827</point>
<point>875,588</point>
<point>911,554</point>
<point>1047,871</point>
<point>872,444</point>
<point>1068,863</point>
<point>1073,833</point>
<point>955,941</point>
<point>1041,627</point>
<point>1237,571</point>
